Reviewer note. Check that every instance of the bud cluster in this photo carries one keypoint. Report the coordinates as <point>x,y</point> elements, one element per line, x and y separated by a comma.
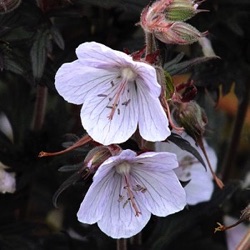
<point>166,20</point>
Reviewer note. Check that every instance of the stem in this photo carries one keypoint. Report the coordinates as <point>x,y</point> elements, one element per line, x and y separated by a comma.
<point>150,43</point>
<point>230,156</point>
<point>121,244</point>
<point>40,107</point>
<point>136,240</point>
<point>216,179</point>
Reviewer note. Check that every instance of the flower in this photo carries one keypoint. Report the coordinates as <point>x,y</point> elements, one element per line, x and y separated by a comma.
<point>127,188</point>
<point>235,235</point>
<point>200,182</point>
<point>7,180</point>
<point>117,94</point>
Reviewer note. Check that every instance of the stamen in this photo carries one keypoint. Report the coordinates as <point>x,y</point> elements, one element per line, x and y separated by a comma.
<point>131,197</point>
<point>126,102</point>
<point>102,95</point>
<point>116,99</point>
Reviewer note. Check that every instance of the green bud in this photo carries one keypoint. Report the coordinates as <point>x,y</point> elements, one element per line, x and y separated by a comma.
<point>192,117</point>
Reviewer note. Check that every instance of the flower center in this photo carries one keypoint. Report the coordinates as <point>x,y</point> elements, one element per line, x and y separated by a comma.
<point>123,168</point>
<point>128,74</point>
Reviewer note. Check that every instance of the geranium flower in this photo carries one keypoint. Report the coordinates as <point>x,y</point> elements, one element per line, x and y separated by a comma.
<point>117,94</point>
<point>200,182</point>
<point>127,188</point>
<point>235,235</point>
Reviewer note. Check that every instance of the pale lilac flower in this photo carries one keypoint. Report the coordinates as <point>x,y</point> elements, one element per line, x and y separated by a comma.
<point>117,93</point>
<point>7,180</point>
<point>236,234</point>
<point>127,188</point>
<point>200,186</point>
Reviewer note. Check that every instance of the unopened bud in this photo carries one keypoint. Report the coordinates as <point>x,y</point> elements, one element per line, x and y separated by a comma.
<point>7,6</point>
<point>182,10</point>
<point>245,213</point>
<point>192,117</point>
<point>98,155</point>
<point>179,33</point>
<point>164,19</point>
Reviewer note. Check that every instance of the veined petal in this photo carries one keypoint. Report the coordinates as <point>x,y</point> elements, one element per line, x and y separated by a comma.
<point>153,122</point>
<point>97,55</point>
<point>95,201</point>
<point>108,122</point>
<point>164,161</point>
<point>119,220</point>
<point>200,187</point>
<point>75,81</point>
<point>164,194</point>
<point>147,78</point>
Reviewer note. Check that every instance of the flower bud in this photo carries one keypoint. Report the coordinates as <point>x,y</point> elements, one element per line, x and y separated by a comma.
<point>164,19</point>
<point>179,33</point>
<point>192,117</point>
<point>245,213</point>
<point>98,155</point>
<point>181,10</point>
<point>8,5</point>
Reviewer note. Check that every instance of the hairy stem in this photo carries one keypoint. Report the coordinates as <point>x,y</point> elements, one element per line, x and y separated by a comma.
<point>150,43</point>
<point>121,244</point>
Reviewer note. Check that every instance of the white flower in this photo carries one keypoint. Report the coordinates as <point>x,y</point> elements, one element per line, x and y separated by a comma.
<point>200,186</point>
<point>117,94</point>
<point>236,234</point>
<point>7,180</point>
<point>127,188</point>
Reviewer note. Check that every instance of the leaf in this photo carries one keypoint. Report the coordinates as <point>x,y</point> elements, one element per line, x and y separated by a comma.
<point>67,183</point>
<point>57,37</point>
<point>185,145</point>
<point>69,168</point>
<point>38,53</point>
<point>174,68</point>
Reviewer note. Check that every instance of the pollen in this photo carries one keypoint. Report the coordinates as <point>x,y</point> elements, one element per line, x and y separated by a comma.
<point>123,168</point>
<point>128,74</point>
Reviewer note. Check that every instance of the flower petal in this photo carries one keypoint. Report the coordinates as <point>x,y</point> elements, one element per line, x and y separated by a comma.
<point>75,81</point>
<point>164,194</point>
<point>153,122</point>
<point>97,55</point>
<point>106,124</point>
<point>94,203</point>
<point>163,160</point>
<point>119,220</point>
<point>147,78</point>
<point>200,187</point>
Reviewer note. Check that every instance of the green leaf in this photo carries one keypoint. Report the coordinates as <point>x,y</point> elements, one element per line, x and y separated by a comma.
<point>57,37</point>
<point>174,68</point>
<point>38,53</point>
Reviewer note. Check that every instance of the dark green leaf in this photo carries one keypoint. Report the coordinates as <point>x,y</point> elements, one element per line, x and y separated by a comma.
<point>174,68</point>
<point>185,145</point>
<point>57,37</point>
<point>38,53</point>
